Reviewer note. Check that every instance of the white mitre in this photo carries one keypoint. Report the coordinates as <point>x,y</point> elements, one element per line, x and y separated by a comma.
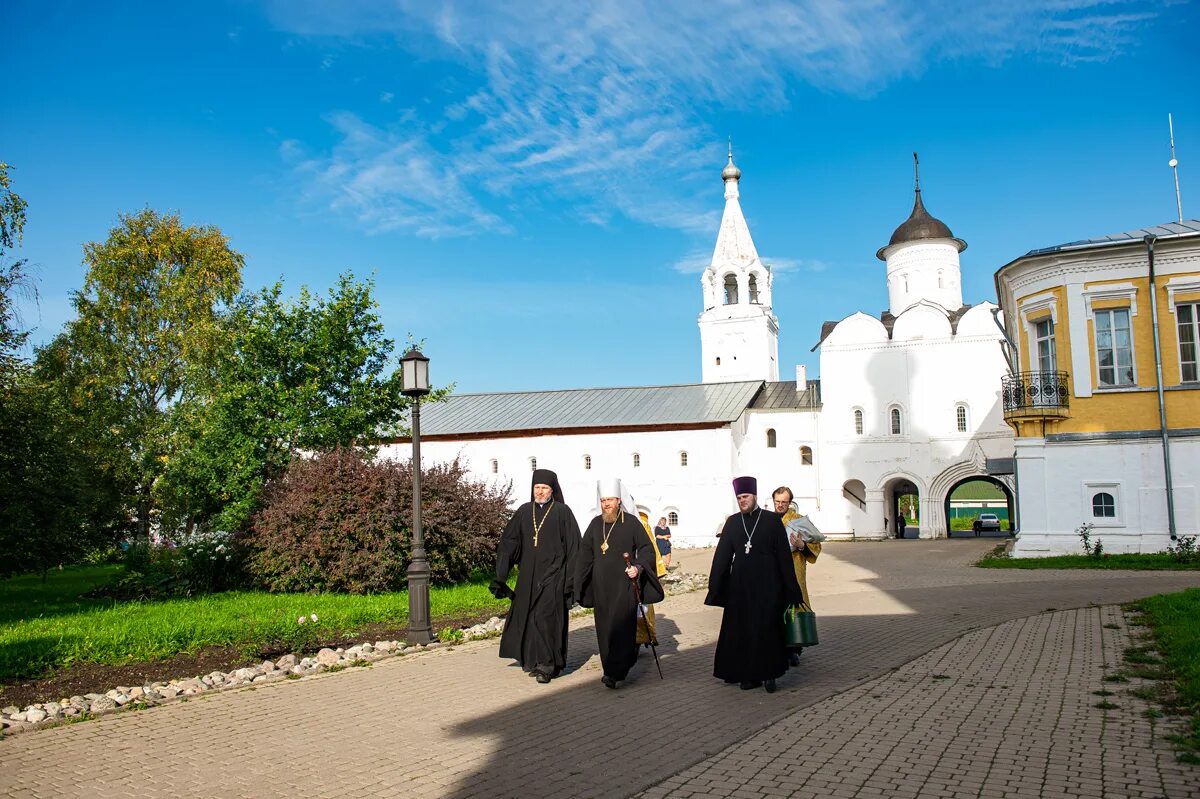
<point>615,487</point>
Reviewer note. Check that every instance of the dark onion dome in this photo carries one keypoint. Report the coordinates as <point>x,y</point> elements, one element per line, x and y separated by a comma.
<point>920,225</point>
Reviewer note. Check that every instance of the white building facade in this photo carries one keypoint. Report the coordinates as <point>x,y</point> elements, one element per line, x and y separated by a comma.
<point>908,404</point>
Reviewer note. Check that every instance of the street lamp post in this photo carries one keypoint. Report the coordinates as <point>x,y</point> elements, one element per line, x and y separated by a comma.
<point>415,383</point>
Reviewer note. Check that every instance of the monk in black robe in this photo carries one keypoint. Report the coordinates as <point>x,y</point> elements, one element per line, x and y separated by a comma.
<point>753,579</point>
<point>603,580</point>
<point>541,539</point>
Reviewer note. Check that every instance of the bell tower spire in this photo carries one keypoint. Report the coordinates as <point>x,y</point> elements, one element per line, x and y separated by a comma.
<point>739,334</point>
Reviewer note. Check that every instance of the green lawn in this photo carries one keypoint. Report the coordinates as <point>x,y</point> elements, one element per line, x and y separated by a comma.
<point>50,625</point>
<point>1175,622</point>
<point>1152,561</point>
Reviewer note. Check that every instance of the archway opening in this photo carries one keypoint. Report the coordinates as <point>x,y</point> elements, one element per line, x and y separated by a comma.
<point>972,501</point>
<point>903,500</point>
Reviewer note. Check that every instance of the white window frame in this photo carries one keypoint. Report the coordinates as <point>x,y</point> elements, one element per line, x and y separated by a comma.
<point>965,410</point>
<point>495,466</point>
<point>533,463</point>
<point>683,457</point>
<point>1116,367</point>
<point>587,463</point>
<point>899,411</point>
<point>1194,324</point>
<point>1113,487</point>
<point>1034,306</point>
<point>672,518</point>
<point>637,460</point>
<point>857,424</point>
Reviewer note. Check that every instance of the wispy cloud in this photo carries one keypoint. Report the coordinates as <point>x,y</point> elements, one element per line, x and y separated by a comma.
<point>795,264</point>
<point>603,104</point>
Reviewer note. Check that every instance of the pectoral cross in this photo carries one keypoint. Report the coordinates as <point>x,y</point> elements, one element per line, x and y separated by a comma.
<point>748,545</point>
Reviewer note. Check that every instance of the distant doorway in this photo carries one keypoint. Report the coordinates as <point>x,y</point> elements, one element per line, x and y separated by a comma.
<point>972,502</point>
<point>904,503</point>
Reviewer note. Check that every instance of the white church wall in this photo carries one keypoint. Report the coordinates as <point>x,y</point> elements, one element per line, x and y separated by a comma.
<point>699,492</point>
<point>924,270</point>
<point>781,464</point>
<point>1058,481</point>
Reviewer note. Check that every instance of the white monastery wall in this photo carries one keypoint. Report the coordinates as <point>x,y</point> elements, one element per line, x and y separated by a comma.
<point>1059,479</point>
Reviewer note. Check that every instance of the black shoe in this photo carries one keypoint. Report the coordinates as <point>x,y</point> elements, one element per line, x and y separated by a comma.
<point>794,658</point>
<point>609,682</point>
<point>543,677</point>
<point>770,686</point>
<point>749,685</point>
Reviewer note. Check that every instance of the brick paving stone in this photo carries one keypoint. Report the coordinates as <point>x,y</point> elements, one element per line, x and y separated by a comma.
<point>905,690</point>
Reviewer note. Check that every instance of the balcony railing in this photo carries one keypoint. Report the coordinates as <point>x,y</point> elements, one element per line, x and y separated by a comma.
<point>1036,394</point>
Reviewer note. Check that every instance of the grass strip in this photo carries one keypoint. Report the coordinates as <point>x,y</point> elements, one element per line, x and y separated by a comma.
<point>1174,620</point>
<point>46,626</point>
<point>1151,561</point>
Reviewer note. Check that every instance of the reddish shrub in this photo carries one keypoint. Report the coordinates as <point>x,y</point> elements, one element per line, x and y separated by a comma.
<point>341,522</point>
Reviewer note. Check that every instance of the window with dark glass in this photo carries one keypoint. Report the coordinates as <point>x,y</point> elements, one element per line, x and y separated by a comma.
<point>1103,505</point>
<point>672,519</point>
<point>806,456</point>
<point>1187,318</point>
<point>771,437</point>
<point>1114,348</point>
<point>858,424</point>
<point>960,418</point>
<point>895,421</point>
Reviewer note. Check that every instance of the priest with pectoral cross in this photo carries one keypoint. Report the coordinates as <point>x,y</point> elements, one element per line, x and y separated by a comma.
<point>541,539</point>
<point>604,580</point>
<point>753,580</point>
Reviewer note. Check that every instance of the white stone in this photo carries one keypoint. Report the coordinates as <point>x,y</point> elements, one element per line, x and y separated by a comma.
<point>327,657</point>
<point>286,662</point>
<point>101,704</point>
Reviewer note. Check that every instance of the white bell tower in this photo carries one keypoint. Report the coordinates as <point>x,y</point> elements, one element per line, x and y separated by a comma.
<point>739,335</point>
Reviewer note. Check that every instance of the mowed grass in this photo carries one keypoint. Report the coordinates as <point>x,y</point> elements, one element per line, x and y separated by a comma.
<point>46,626</point>
<point>1150,561</point>
<point>1175,622</point>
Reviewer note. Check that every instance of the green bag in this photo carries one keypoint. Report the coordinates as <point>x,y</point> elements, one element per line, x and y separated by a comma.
<point>799,627</point>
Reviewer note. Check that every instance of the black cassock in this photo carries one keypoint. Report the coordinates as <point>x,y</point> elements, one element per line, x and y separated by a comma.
<point>535,633</point>
<point>601,583</point>
<point>755,588</point>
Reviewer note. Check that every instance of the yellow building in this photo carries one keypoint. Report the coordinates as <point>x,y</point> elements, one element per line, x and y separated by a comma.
<point>1106,408</point>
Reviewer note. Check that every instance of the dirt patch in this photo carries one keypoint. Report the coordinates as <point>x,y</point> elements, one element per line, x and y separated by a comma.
<point>88,678</point>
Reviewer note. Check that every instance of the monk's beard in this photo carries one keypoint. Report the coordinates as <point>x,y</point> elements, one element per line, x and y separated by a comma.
<point>609,517</point>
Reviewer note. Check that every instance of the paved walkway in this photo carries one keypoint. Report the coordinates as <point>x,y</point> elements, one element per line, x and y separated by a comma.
<point>933,679</point>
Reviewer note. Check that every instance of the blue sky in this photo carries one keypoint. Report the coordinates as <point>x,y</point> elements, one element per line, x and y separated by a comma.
<point>535,185</point>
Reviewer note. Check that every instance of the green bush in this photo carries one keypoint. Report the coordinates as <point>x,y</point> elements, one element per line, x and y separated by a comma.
<point>340,522</point>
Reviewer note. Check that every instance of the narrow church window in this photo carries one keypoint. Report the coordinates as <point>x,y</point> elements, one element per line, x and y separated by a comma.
<point>806,456</point>
<point>731,291</point>
<point>770,436</point>
<point>495,466</point>
<point>939,278</point>
<point>858,428</point>
<point>683,459</point>
<point>718,360</point>
<point>753,290</point>
<point>1103,506</point>
<point>587,461</point>
<point>533,464</point>
<point>637,460</point>
<point>895,421</point>
<point>673,519</point>
<point>960,417</point>
<point>905,283</point>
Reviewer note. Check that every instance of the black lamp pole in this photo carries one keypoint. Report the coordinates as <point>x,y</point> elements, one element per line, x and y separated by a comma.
<point>415,375</point>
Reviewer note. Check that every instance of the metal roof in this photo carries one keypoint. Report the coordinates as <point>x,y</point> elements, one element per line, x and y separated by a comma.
<point>479,414</point>
<point>1185,228</point>
<point>778,396</point>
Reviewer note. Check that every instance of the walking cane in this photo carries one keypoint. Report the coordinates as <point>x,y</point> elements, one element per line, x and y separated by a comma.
<point>637,594</point>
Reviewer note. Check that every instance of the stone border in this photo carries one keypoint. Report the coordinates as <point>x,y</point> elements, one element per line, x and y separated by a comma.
<point>81,708</point>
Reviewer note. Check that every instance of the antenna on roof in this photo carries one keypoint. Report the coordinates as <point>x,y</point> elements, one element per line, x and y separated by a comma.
<point>1174,164</point>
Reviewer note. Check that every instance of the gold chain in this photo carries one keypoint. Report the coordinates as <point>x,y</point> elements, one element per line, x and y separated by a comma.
<point>537,528</point>
<point>604,543</point>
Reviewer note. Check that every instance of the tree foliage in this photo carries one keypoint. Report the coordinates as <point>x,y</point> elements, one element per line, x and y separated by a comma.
<point>303,375</point>
<point>148,321</point>
<point>14,279</point>
<point>341,522</point>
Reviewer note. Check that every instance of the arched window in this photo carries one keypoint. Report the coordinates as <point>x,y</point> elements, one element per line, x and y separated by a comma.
<point>770,436</point>
<point>754,289</point>
<point>532,464</point>
<point>960,418</point>
<point>672,519</point>
<point>683,459</point>
<point>637,460</point>
<point>905,283</point>
<point>858,427</point>
<point>495,466</point>
<point>940,278</point>
<point>587,461</point>
<point>1104,506</point>
<point>806,456</point>
<point>731,292</point>
<point>895,420</point>
<point>718,360</point>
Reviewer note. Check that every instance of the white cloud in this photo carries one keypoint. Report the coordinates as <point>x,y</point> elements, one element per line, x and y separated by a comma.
<point>386,97</point>
<point>604,104</point>
<point>694,262</point>
<point>795,264</point>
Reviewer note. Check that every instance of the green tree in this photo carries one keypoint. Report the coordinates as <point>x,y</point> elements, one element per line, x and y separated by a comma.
<point>14,279</point>
<point>148,324</point>
<point>304,375</point>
